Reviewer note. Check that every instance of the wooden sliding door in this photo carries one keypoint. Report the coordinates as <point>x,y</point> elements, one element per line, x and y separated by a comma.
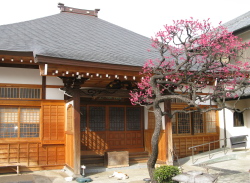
<point>106,128</point>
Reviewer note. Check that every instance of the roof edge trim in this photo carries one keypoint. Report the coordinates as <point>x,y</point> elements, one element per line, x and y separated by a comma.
<point>64,61</point>
<point>17,53</point>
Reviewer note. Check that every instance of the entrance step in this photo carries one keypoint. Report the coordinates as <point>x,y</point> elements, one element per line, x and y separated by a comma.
<point>98,160</point>
<point>92,160</point>
<point>138,157</point>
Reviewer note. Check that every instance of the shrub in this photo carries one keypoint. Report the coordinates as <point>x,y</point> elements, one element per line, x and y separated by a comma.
<point>165,173</point>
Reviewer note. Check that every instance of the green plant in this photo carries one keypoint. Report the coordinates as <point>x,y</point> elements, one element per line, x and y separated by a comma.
<point>164,174</point>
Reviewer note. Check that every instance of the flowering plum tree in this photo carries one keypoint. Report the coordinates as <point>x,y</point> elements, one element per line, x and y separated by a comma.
<point>193,57</point>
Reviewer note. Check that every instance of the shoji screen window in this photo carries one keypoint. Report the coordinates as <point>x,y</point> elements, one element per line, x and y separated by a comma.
<point>18,122</point>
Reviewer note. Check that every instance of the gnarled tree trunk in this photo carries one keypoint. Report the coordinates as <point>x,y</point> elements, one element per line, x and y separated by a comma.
<point>154,142</point>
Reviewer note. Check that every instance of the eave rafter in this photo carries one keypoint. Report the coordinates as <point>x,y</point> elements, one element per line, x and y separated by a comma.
<point>17,59</point>
<point>98,74</point>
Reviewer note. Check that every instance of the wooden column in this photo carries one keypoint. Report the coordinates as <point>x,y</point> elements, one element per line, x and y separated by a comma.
<point>72,87</point>
<point>77,133</point>
<point>43,87</point>
<point>168,134</point>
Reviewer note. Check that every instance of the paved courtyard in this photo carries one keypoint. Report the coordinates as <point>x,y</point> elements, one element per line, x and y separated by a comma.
<point>232,171</point>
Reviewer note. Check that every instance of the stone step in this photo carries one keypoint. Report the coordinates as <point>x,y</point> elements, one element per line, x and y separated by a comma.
<point>98,160</point>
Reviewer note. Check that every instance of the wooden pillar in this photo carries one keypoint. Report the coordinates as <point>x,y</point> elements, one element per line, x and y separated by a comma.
<point>168,134</point>
<point>77,133</point>
<point>43,87</point>
<point>72,87</point>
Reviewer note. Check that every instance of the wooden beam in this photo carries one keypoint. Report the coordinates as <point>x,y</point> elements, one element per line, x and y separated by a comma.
<point>78,63</point>
<point>16,53</point>
<point>19,65</point>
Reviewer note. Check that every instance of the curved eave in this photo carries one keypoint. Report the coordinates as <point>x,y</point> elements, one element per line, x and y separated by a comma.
<point>241,30</point>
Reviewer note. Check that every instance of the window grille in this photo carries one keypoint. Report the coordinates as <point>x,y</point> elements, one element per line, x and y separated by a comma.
<point>20,93</point>
<point>8,122</point>
<point>19,122</point>
<point>116,119</point>
<point>97,118</point>
<point>83,118</point>
<point>174,124</point>
<point>181,122</point>
<point>69,126</point>
<point>133,116</point>
<point>210,118</point>
<point>198,122</point>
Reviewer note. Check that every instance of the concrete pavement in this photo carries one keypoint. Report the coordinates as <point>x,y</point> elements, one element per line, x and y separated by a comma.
<point>229,171</point>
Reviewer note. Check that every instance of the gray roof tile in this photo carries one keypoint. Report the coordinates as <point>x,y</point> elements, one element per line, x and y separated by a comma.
<point>238,23</point>
<point>78,37</point>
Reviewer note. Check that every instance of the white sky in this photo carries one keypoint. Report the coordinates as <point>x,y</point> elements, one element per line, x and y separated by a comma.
<point>145,17</point>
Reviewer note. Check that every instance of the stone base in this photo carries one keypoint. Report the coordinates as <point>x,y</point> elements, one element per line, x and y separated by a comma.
<point>117,159</point>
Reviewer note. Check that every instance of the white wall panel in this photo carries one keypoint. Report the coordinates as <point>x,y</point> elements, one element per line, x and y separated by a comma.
<point>54,94</point>
<point>230,129</point>
<point>53,81</point>
<point>20,76</point>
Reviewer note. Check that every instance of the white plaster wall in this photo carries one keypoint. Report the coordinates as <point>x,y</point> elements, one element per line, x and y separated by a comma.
<point>54,94</point>
<point>20,76</point>
<point>245,36</point>
<point>31,76</point>
<point>53,81</point>
<point>230,129</point>
<point>163,117</point>
<point>146,117</point>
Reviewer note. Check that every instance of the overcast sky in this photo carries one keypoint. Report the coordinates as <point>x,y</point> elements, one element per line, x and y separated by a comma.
<point>145,17</point>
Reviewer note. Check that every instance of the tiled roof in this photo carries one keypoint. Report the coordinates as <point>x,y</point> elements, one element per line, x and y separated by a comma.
<point>78,37</point>
<point>238,23</point>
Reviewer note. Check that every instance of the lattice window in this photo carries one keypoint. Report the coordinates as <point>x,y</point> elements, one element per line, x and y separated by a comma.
<point>133,116</point>
<point>69,124</point>
<point>19,122</point>
<point>174,124</point>
<point>8,122</point>
<point>20,93</point>
<point>151,120</point>
<point>183,120</point>
<point>97,118</point>
<point>29,122</point>
<point>210,118</point>
<point>116,119</point>
<point>198,122</point>
<point>83,118</point>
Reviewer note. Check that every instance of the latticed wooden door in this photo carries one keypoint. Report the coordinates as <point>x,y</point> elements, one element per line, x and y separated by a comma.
<point>111,128</point>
